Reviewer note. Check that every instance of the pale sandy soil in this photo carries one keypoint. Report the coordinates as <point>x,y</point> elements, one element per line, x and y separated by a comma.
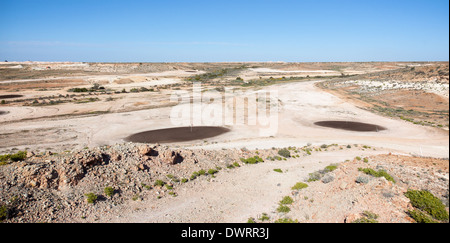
<point>301,104</point>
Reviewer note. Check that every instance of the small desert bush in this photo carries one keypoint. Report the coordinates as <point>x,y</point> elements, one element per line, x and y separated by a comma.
<point>278,170</point>
<point>285,153</point>
<point>286,221</point>
<point>283,209</point>
<point>252,160</point>
<point>7,158</point>
<point>264,217</point>
<point>286,200</point>
<point>315,176</point>
<point>331,167</point>
<point>212,171</point>
<point>380,173</point>
<point>299,186</point>
<point>159,183</point>
<point>109,191</point>
<point>91,198</point>
<point>368,217</point>
<point>427,202</point>
<point>4,212</point>
<point>421,217</point>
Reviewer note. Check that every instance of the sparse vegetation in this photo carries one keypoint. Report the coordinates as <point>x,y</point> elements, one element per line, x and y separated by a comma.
<point>299,186</point>
<point>286,220</point>
<point>331,167</point>
<point>283,209</point>
<point>3,212</point>
<point>317,175</point>
<point>380,173</point>
<point>252,160</point>
<point>109,191</point>
<point>264,217</point>
<point>427,202</point>
<point>212,171</point>
<point>159,183</point>
<point>285,153</point>
<point>8,158</point>
<point>368,217</point>
<point>91,198</point>
<point>286,200</point>
<point>421,217</point>
<point>278,170</point>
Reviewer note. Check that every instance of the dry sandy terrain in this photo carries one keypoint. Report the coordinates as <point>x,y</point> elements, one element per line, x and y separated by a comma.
<point>136,98</point>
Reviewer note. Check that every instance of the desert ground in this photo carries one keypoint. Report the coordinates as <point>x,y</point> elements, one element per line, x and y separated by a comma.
<point>88,126</point>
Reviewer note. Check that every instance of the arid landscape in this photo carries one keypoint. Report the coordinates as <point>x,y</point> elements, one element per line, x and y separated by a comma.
<point>342,142</point>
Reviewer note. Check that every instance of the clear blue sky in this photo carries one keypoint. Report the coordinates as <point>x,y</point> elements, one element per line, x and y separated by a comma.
<point>224,30</point>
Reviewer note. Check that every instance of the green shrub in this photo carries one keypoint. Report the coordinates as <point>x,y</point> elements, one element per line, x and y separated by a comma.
<point>264,217</point>
<point>365,220</point>
<point>283,209</point>
<point>212,171</point>
<point>252,160</point>
<point>315,176</point>
<point>91,198</point>
<point>287,200</point>
<point>285,153</point>
<point>3,212</point>
<point>426,201</point>
<point>19,156</point>
<point>159,183</point>
<point>380,173</point>
<point>146,186</point>
<point>278,170</point>
<point>420,217</point>
<point>331,167</point>
<point>368,217</point>
<point>78,90</point>
<point>286,221</point>
<point>109,191</point>
<point>299,186</point>
<point>194,175</point>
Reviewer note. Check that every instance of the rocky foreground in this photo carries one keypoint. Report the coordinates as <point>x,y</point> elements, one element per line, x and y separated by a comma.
<point>86,185</point>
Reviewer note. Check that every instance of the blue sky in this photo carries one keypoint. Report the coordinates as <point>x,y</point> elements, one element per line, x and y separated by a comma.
<point>220,31</point>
